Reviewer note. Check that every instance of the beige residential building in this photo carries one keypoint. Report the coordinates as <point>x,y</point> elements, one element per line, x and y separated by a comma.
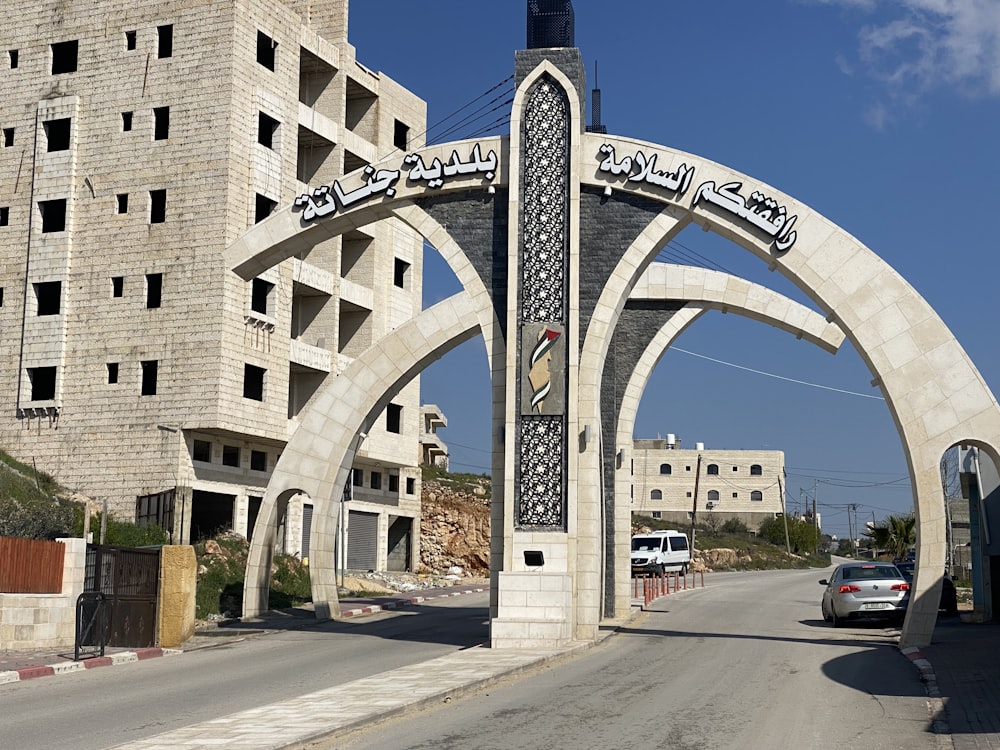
<point>138,141</point>
<point>670,483</point>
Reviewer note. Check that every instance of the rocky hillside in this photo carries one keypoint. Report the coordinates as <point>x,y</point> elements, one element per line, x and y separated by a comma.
<point>455,524</point>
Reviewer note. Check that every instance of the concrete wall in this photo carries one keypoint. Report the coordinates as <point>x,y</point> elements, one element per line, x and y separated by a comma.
<point>176,606</point>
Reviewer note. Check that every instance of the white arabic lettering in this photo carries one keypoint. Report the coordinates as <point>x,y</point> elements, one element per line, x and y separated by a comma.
<point>761,211</point>
<point>645,170</point>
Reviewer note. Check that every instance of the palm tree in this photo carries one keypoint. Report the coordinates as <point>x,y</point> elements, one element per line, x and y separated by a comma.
<point>895,535</point>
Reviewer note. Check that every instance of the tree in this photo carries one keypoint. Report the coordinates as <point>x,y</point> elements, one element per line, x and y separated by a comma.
<point>802,535</point>
<point>895,535</point>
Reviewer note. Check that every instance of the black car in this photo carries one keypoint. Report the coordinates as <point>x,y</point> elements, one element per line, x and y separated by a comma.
<point>949,596</point>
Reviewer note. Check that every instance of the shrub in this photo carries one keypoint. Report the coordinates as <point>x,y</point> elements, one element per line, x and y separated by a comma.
<point>734,526</point>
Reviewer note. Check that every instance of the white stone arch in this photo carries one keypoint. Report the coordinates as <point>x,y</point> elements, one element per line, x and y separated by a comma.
<point>933,391</point>
<point>318,458</point>
<point>702,290</point>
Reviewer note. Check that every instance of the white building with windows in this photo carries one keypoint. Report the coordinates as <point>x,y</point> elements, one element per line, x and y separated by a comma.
<point>671,483</point>
<point>138,142</point>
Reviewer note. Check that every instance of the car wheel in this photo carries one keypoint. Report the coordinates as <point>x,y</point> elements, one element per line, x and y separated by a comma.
<point>838,622</point>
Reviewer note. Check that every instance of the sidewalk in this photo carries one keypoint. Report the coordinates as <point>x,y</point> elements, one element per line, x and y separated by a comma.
<point>27,665</point>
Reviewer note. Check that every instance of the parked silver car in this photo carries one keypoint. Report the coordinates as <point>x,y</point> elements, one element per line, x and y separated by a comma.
<point>864,589</point>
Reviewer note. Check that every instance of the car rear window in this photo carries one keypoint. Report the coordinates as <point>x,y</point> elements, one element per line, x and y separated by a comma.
<point>871,571</point>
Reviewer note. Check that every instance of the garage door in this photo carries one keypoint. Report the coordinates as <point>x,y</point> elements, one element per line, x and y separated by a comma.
<point>362,541</point>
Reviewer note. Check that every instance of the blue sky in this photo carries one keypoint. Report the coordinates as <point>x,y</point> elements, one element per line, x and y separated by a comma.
<point>883,116</point>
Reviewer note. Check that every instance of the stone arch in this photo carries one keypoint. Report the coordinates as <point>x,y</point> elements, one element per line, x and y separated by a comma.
<point>318,458</point>
<point>699,291</point>
<point>932,389</point>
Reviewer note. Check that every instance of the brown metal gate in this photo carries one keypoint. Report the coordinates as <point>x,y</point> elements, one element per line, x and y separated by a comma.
<point>129,580</point>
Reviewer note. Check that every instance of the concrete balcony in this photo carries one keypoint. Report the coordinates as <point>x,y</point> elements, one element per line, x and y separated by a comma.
<point>309,356</point>
<point>357,295</point>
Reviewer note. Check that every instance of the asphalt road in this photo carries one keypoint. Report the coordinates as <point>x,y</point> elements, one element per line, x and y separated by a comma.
<point>745,663</point>
<point>99,708</point>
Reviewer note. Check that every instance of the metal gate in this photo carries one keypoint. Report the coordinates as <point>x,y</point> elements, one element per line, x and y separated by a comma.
<point>362,541</point>
<point>128,580</point>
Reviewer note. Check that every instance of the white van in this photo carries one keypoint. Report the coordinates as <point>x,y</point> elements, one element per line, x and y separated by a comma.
<point>658,551</point>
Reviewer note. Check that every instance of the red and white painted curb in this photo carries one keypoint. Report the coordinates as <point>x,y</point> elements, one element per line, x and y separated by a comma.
<point>398,603</point>
<point>936,709</point>
<point>68,667</point>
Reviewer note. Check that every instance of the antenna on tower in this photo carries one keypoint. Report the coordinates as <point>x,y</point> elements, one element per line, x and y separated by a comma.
<point>595,108</point>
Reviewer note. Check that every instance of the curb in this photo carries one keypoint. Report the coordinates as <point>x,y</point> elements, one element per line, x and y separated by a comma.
<point>129,657</point>
<point>936,709</point>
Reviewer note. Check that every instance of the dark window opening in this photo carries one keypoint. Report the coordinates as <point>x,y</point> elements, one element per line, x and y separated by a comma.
<point>48,295</point>
<point>260,296</point>
<point>712,470</point>
<point>201,450</point>
<point>43,383</point>
<point>149,368</point>
<point>264,207</point>
<point>376,480</point>
<point>253,382</point>
<point>394,418</point>
<point>154,289</point>
<point>126,121</point>
<point>400,135</point>
<point>112,372</point>
<point>756,496</point>
<point>64,57</point>
<point>165,41</point>
<point>400,273</point>
<point>713,496</point>
<point>267,130</point>
<point>357,477</point>
<point>122,201</point>
<point>117,286</point>
<point>13,58</point>
<point>57,134</point>
<point>8,137</point>
<point>736,494</point>
<point>161,123</point>
<point>665,469</point>
<point>130,38</point>
<point>267,50</point>
<point>157,206</point>
<point>53,215</point>
<point>1,296</point>
<point>656,495</point>
<point>394,483</point>
<point>411,485</point>
<point>657,514</point>
<point>756,470</point>
<point>4,215</point>
<point>230,455</point>
<point>258,460</point>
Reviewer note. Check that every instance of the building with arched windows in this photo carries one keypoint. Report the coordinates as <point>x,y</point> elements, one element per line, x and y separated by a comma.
<point>671,483</point>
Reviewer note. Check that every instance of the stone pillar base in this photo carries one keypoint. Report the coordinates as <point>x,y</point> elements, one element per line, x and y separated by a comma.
<point>535,611</point>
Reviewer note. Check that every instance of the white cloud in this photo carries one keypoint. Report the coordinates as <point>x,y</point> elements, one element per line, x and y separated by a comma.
<point>918,45</point>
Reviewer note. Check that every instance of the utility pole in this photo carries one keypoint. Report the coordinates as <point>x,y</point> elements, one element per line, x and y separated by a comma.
<point>784,515</point>
<point>694,503</point>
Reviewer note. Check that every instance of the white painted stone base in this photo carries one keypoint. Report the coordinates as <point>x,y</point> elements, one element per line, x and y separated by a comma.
<point>535,611</point>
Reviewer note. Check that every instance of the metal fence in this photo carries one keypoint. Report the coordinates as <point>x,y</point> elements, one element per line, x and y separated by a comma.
<point>31,566</point>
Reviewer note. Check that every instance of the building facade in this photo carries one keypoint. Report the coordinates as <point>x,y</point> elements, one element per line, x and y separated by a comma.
<point>671,483</point>
<point>139,141</point>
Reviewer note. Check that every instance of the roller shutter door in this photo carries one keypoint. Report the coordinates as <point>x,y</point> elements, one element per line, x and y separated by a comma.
<point>307,522</point>
<point>362,541</point>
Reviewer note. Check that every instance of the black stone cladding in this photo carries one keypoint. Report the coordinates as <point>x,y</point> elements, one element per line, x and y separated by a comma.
<point>566,59</point>
<point>637,326</point>
<point>478,223</point>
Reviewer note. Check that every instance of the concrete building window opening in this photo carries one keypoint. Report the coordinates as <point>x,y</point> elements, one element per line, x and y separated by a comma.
<point>117,286</point>
<point>267,130</point>
<point>411,485</point>
<point>258,460</point>
<point>756,470</point>
<point>150,368</point>
<point>713,498</point>
<point>267,51</point>
<point>12,57</point>
<point>736,495</point>
<point>261,296</point>
<point>712,470</point>
<point>400,135</point>
<point>231,455</point>
<point>112,373</point>
<point>253,382</point>
<point>43,383</point>
<point>157,206</point>
<point>4,215</point>
<point>201,450</point>
<point>657,514</point>
<point>736,468</point>
<point>130,40</point>
<point>656,495</point>
<point>394,418</point>
<point>757,496</point>
<point>401,274</point>
<point>665,469</point>
<point>357,477</point>
<point>263,207</point>
<point>161,123</point>
<point>48,297</point>
<point>154,290</point>
<point>53,215</point>
<point>57,134</point>
<point>393,483</point>
<point>126,121</point>
<point>8,137</point>
<point>376,480</point>
<point>165,40</point>
<point>121,203</point>
<point>64,56</point>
